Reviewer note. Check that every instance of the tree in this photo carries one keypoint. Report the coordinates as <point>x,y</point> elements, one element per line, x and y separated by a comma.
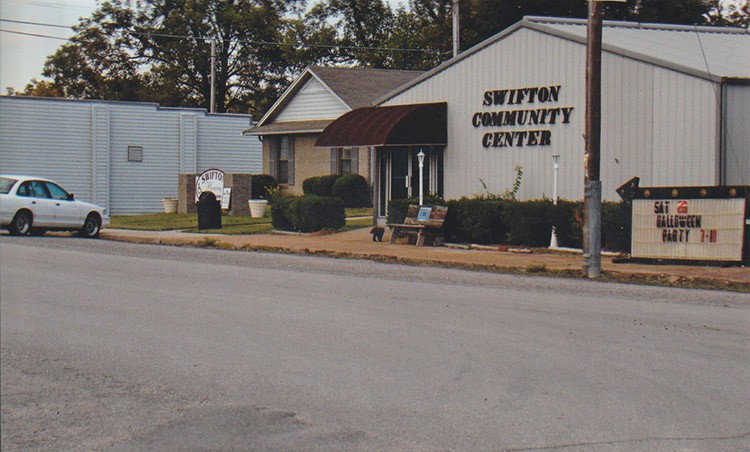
<point>729,14</point>
<point>159,50</point>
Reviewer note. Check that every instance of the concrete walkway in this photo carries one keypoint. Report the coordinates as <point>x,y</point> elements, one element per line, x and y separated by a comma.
<point>358,244</point>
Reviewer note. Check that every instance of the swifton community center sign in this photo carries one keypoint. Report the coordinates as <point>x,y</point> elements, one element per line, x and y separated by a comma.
<point>210,180</point>
<point>532,109</point>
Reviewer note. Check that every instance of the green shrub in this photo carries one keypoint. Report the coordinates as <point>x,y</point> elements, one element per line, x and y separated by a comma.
<point>529,223</point>
<point>476,220</point>
<point>484,220</point>
<point>616,226</point>
<point>281,213</point>
<point>260,184</point>
<point>319,185</point>
<point>353,189</point>
<point>308,213</point>
<point>568,220</point>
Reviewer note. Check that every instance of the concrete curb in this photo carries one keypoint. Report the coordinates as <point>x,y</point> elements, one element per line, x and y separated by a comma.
<point>357,244</point>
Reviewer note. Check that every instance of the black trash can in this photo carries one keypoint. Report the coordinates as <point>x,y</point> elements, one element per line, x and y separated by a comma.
<point>209,211</point>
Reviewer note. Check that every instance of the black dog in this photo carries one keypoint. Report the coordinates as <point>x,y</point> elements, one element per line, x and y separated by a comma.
<point>377,233</point>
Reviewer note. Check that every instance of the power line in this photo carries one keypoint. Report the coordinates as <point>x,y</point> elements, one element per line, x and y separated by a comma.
<point>23,22</point>
<point>36,35</point>
<point>246,42</point>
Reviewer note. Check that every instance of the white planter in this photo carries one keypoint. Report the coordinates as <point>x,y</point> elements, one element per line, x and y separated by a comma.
<point>170,205</point>
<point>257,207</point>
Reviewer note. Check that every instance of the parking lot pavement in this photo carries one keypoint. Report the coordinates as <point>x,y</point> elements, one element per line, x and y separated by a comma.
<point>358,244</point>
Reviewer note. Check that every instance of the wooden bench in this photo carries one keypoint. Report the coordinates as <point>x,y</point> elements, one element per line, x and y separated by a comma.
<point>425,223</point>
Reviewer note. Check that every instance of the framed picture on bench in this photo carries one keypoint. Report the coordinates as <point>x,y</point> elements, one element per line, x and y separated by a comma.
<point>424,214</point>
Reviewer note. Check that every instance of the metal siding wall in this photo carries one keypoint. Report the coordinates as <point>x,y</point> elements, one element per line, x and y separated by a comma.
<point>524,59</point>
<point>221,145</point>
<point>100,155</point>
<point>313,101</point>
<point>188,143</point>
<point>47,138</point>
<point>83,145</point>
<point>627,123</point>
<point>685,130</point>
<point>736,139</point>
<point>138,187</point>
<point>657,124</point>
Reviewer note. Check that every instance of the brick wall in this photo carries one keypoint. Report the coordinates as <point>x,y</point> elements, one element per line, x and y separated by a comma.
<point>240,184</point>
<point>311,161</point>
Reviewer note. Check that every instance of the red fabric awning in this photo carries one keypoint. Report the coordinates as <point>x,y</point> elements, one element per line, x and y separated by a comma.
<point>414,124</point>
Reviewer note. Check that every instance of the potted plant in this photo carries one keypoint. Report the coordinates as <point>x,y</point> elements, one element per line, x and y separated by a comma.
<point>170,205</point>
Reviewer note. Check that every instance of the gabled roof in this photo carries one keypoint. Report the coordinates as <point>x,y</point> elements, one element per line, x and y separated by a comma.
<point>712,53</point>
<point>355,87</point>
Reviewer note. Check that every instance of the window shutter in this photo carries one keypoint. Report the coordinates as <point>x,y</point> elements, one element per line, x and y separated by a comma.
<point>355,160</point>
<point>291,160</point>
<point>334,160</point>
<point>273,157</point>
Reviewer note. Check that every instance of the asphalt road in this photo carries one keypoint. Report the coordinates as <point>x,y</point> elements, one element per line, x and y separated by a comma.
<point>137,347</point>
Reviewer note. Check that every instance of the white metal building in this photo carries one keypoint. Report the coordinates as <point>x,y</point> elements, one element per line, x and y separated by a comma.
<point>124,156</point>
<point>675,111</point>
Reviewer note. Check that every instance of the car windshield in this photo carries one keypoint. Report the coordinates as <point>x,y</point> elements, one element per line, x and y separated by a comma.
<point>6,183</point>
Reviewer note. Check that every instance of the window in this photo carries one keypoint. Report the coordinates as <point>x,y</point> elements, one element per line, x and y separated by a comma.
<point>25,190</point>
<point>284,154</point>
<point>135,153</point>
<point>6,183</point>
<point>344,160</point>
<point>36,189</point>
<point>282,159</point>
<point>56,191</point>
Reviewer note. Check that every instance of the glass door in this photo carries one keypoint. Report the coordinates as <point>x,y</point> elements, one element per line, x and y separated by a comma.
<point>399,173</point>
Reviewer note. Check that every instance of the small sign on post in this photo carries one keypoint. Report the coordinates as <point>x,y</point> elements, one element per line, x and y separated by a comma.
<point>226,197</point>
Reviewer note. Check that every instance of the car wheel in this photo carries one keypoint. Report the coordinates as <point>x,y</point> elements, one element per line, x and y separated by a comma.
<point>21,224</point>
<point>91,227</point>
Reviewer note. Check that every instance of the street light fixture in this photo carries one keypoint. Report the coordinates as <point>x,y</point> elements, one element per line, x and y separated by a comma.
<point>555,167</point>
<point>420,156</point>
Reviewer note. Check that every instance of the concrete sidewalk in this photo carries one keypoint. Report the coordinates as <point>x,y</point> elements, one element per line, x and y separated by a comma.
<point>358,244</point>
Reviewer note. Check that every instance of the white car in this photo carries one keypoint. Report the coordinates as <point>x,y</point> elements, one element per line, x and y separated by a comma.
<point>33,205</point>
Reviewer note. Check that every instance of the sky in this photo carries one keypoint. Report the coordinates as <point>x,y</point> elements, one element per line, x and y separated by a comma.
<point>22,57</point>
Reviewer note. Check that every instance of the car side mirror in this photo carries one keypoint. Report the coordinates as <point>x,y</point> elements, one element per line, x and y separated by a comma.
<point>71,196</point>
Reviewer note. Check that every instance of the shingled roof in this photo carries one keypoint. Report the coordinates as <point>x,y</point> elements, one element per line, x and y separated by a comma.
<point>359,87</point>
<point>355,87</point>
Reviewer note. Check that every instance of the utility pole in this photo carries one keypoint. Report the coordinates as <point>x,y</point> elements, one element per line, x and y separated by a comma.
<point>456,31</point>
<point>213,77</point>
<point>592,211</point>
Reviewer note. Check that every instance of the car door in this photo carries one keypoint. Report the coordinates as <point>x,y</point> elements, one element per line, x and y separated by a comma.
<point>67,211</point>
<point>39,201</point>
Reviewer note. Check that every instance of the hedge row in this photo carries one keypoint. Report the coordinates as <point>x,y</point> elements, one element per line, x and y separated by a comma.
<point>307,213</point>
<point>353,189</point>
<point>319,185</point>
<point>529,223</point>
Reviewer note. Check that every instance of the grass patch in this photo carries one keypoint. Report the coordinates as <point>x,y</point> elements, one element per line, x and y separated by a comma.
<point>359,212</point>
<point>186,222</point>
<point>231,224</point>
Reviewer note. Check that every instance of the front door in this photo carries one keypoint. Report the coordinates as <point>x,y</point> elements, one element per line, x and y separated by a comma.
<point>399,174</point>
